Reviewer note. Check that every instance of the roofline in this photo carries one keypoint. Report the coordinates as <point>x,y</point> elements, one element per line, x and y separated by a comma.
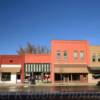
<point>94,45</point>
<point>67,40</point>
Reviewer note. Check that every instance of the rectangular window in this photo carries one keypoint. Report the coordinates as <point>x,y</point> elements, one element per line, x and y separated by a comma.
<point>18,76</point>
<point>82,55</point>
<point>39,67</point>
<point>75,55</point>
<point>65,54</point>
<point>6,77</point>
<point>98,58</point>
<point>25,67</point>
<point>45,67</point>
<point>28,67</point>
<point>34,67</point>
<point>42,69</point>
<point>93,58</point>
<point>31,69</point>
<point>58,54</point>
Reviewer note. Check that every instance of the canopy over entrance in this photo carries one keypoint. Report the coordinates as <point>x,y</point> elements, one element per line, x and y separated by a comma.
<point>70,68</point>
<point>10,69</point>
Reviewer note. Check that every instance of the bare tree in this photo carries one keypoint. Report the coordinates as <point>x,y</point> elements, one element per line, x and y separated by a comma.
<point>21,51</point>
<point>33,49</point>
<point>29,48</point>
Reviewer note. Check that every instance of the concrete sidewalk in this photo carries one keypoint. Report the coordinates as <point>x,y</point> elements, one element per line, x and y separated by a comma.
<point>46,84</point>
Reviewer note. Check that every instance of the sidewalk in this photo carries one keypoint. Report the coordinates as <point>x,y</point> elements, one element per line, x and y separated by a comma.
<point>47,84</point>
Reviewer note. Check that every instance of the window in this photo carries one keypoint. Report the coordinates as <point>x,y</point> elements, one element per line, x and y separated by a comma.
<point>36,67</point>
<point>82,55</point>
<point>18,76</point>
<point>75,55</point>
<point>94,58</point>
<point>45,67</point>
<point>58,54</point>
<point>6,77</point>
<point>98,58</point>
<point>96,75</point>
<point>65,54</point>
<point>26,66</point>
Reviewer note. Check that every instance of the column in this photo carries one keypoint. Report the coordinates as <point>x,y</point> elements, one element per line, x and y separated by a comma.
<point>71,77</point>
<point>52,73</point>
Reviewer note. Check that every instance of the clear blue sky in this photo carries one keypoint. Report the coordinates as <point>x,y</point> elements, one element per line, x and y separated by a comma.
<point>40,21</point>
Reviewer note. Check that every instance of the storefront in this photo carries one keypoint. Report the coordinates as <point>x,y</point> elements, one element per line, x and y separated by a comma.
<point>39,71</point>
<point>71,73</point>
<point>10,74</point>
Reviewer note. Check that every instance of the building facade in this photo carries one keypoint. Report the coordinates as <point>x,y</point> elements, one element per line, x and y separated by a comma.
<point>68,61</point>
<point>11,69</point>
<point>37,66</point>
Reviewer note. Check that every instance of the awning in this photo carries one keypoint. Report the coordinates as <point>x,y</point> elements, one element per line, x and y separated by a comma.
<point>10,69</point>
<point>94,68</point>
<point>70,68</point>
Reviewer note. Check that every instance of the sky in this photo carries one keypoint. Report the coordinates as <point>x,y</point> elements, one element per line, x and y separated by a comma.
<point>40,21</point>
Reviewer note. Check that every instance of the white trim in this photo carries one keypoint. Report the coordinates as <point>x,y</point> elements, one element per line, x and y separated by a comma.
<point>5,65</point>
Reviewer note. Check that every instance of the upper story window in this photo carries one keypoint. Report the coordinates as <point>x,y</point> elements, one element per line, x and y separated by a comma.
<point>82,54</point>
<point>93,58</point>
<point>75,55</point>
<point>99,58</point>
<point>65,54</point>
<point>58,54</point>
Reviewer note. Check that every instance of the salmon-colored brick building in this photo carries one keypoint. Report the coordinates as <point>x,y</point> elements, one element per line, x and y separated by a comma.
<point>68,61</point>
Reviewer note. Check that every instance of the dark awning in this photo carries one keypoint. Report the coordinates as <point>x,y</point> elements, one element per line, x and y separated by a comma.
<point>94,68</point>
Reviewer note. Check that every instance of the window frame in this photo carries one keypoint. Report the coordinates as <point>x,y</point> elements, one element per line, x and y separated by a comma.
<point>6,76</point>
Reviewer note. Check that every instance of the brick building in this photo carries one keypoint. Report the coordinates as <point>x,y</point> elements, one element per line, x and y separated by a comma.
<point>68,61</point>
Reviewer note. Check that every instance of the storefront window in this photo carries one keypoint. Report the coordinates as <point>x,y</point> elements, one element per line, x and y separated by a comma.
<point>31,68</point>
<point>45,67</point>
<point>34,69</point>
<point>18,76</point>
<point>26,68</point>
<point>48,68</point>
<point>6,77</point>
<point>96,76</point>
<point>37,67</point>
